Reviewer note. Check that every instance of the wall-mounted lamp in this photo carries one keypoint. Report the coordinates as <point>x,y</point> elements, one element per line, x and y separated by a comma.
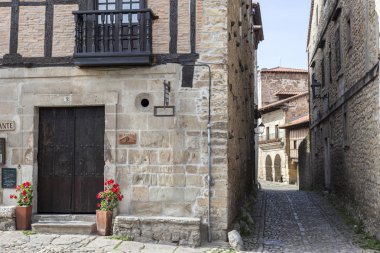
<point>257,115</point>
<point>314,86</point>
<point>260,129</point>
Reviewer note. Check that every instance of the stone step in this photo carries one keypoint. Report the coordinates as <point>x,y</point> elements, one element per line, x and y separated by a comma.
<point>63,217</point>
<point>65,227</point>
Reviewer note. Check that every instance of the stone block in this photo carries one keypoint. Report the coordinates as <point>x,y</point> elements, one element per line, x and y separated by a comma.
<point>140,157</point>
<point>177,209</point>
<point>154,139</point>
<point>170,194</point>
<point>140,193</point>
<point>142,179</point>
<point>166,157</point>
<point>191,194</point>
<point>194,180</point>
<point>146,208</point>
<point>177,230</point>
<point>171,179</point>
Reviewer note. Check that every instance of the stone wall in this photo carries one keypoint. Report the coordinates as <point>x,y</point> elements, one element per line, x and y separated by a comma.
<point>273,82</point>
<point>241,55</point>
<point>345,126</point>
<point>179,231</point>
<point>165,173</point>
<point>7,218</point>
<point>304,172</point>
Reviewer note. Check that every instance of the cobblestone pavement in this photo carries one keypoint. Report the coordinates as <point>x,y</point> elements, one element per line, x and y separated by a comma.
<point>288,220</point>
<point>15,241</point>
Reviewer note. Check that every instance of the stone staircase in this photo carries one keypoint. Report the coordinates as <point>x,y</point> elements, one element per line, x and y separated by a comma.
<point>64,224</point>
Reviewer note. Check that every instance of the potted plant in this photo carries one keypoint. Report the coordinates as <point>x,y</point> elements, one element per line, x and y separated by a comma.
<point>109,200</point>
<point>24,206</point>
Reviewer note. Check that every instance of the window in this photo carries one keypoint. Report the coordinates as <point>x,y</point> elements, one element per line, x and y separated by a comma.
<point>330,65</point>
<point>276,132</point>
<point>348,33</point>
<point>317,15</point>
<point>323,72</point>
<point>294,144</point>
<point>267,133</point>
<point>345,134</point>
<point>338,60</point>
<point>111,5</point>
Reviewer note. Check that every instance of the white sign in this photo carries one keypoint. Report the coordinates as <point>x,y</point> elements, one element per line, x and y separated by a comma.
<point>7,125</point>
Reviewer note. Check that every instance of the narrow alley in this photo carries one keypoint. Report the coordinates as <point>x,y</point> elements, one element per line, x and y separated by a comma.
<point>288,220</point>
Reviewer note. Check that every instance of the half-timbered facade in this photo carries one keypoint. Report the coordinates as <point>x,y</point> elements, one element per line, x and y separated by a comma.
<point>132,90</point>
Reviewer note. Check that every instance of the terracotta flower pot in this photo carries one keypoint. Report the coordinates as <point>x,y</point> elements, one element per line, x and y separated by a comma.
<point>23,217</point>
<point>103,222</point>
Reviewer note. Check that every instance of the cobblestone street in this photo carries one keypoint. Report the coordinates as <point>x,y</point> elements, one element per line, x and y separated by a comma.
<point>288,220</point>
<point>18,242</point>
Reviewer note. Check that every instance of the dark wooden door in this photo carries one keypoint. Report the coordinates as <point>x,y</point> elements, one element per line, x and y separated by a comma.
<point>70,159</point>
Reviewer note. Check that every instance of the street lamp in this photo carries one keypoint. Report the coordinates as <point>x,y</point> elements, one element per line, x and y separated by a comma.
<point>260,129</point>
<point>314,86</point>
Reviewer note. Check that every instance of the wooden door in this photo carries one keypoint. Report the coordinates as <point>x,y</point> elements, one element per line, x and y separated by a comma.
<point>70,159</point>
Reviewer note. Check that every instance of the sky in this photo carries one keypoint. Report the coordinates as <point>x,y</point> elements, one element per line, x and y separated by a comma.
<point>285,25</point>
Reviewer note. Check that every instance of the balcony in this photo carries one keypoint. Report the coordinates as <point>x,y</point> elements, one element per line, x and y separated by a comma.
<point>104,38</point>
<point>271,141</point>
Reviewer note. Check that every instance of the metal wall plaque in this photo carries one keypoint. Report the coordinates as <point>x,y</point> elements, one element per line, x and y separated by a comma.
<point>8,177</point>
<point>7,125</point>
<point>164,111</point>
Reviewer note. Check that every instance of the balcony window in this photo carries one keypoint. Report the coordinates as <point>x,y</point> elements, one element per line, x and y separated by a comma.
<point>118,32</point>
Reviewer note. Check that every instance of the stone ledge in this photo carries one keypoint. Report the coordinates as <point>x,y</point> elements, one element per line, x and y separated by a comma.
<point>182,231</point>
<point>7,212</point>
<point>7,218</point>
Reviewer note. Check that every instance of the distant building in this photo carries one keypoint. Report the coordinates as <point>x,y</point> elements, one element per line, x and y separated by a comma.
<point>284,112</point>
<point>343,48</point>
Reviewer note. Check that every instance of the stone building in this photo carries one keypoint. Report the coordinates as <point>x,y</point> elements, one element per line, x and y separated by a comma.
<point>120,89</point>
<point>284,108</point>
<point>343,48</point>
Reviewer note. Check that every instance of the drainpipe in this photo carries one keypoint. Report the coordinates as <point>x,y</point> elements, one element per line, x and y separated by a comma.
<point>208,144</point>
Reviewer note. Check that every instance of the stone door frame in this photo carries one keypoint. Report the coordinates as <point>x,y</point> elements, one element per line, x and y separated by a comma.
<point>29,122</point>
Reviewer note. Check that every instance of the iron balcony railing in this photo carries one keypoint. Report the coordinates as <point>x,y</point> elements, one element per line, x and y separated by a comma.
<point>119,37</point>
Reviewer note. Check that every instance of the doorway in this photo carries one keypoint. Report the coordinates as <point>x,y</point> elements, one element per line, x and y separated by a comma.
<point>327,164</point>
<point>70,159</point>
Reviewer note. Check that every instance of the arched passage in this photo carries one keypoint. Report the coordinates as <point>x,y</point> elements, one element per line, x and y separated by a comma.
<point>268,169</point>
<point>277,168</point>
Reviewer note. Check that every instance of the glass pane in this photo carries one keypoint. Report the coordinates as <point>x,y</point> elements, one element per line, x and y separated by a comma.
<point>111,1</point>
<point>126,6</point>
<point>125,18</point>
<point>111,7</point>
<point>135,6</point>
<point>134,18</point>
<point>101,1</point>
<point>102,7</point>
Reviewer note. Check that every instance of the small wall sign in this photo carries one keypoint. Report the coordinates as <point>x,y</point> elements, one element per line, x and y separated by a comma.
<point>8,178</point>
<point>7,125</point>
<point>164,111</point>
<point>127,139</point>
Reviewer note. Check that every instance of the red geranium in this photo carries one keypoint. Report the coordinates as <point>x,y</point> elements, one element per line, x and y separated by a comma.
<point>110,197</point>
<point>25,192</point>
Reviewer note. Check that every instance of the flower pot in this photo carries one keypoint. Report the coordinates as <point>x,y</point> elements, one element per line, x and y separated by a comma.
<point>23,217</point>
<point>103,222</point>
